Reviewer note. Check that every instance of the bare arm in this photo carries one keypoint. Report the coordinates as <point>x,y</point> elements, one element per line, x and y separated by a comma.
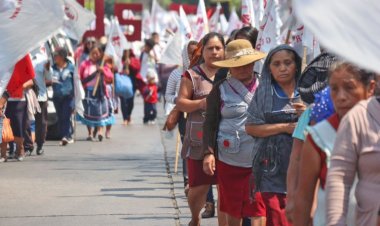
<point>267,130</point>
<point>184,101</point>
<point>292,177</point>
<point>341,173</point>
<point>310,167</point>
<point>28,84</point>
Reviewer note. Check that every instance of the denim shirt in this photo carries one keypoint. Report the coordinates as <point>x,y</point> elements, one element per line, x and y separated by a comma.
<point>63,84</point>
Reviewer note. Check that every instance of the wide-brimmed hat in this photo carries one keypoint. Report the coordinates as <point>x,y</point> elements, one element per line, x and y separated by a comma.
<point>239,53</point>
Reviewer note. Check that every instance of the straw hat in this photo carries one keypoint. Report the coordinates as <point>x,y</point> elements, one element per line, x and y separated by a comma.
<point>239,53</point>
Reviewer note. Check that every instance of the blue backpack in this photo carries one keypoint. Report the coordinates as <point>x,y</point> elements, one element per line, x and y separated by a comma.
<point>123,86</point>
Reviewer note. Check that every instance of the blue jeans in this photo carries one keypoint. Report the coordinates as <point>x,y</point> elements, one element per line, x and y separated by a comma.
<point>150,112</point>
<point>64,107</point>
<point>210,195</point>
<point>127,107</point>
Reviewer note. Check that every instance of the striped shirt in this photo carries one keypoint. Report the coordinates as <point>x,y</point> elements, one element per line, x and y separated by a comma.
<point>172,87</point>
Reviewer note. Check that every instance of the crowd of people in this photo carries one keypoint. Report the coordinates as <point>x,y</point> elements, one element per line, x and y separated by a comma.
<point>25,101</point>
<point>264,138</point>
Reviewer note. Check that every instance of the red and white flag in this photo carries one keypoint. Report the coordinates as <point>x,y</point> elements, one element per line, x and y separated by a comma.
<point>258,8</point>
<point>269,31</point>
<point>201,26</point>
<point>77,19</point>
<point>117,43</point>
<point>184,25</point>
<point>25,24</point>
<point>214,20</point>
<point>234,22</point>
<point>348,28</point>
<point>247,13</point>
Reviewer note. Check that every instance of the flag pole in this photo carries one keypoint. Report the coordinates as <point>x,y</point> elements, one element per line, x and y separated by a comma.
<point>177,152</point>
<point>98,78</point>
<point>304,58</point>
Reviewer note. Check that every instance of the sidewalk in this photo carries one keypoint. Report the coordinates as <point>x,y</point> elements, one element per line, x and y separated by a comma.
<point>122,181</point>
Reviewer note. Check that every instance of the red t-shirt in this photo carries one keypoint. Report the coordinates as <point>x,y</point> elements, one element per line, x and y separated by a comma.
<point>22,73</point>
<point>150,93</point>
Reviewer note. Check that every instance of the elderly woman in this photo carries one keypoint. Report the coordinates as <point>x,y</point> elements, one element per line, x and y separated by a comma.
<point>225,137</point>
<point>196,84</point>
<point>63,93</point>
<point>271,121</point>
<point>356,152</point>
<point>348,86</point>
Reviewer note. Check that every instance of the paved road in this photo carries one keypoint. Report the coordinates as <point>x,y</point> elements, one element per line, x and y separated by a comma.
<point>127,180</point>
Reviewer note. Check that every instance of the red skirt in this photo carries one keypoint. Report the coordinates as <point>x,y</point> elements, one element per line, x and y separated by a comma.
<point>196,175</point>
<point>234,189</point>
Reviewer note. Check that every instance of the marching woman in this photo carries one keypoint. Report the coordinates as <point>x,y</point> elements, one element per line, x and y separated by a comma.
<point>195,85</point>
<point>271,121</point>
<point>348,85</point>
<point>225,138</point>
<point>356,152</point>
<point>16,109</point>
<point>63,93</point>
<point>96,106</point>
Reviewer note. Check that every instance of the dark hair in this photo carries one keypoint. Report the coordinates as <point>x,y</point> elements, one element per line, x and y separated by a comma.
<point>286,50</point>
<point>87,40</point>
<point>150,43</point>
<point>362,75</point>
<point>192,43</point>
<point>62,52</point>
<point>232,35</point>
<point>250,33</point>
<point>211,35</point>
<point>153,34</point>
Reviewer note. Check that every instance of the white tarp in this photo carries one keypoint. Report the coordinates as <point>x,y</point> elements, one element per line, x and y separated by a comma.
<point>348,28</point>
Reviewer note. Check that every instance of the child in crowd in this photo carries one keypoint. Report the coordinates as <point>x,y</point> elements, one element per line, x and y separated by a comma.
<point>150,97</point>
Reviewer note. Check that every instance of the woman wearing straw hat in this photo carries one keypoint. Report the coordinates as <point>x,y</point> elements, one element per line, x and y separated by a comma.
<point>225,138</point>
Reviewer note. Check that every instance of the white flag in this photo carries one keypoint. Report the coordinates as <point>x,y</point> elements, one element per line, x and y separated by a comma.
<point>258,8</point>
<point>146,23</point>
<point>77,19</point>
<point>117,43</point>
<point>214,20</point>
<point>269,31</point>
<point>223,23</point>
<point>158,18</point>
<point>172,54</point>
<point>25,24</point>
<point>234,22</point>
<point>247,13</point>
<point>348,28</point>
<point>184,24</point>
<point>201,27</point>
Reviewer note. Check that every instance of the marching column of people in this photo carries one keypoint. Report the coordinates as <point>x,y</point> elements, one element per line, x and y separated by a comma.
<point>268,140</point>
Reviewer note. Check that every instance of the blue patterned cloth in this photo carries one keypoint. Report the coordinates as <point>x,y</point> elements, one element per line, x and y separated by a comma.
<point>323,106</point>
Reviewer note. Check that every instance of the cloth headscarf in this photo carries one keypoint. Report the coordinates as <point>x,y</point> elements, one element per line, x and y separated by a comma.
<point>185,57</point>
<point>196,58</point>
<point>263,101</point>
